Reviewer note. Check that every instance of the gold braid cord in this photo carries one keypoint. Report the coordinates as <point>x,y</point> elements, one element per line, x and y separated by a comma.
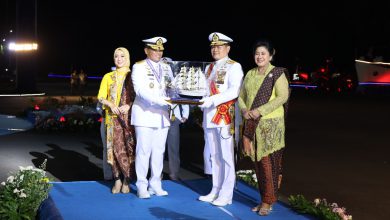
<point>233,117</point>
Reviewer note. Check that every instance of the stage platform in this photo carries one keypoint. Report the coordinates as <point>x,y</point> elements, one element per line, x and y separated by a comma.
<point>94,200</point>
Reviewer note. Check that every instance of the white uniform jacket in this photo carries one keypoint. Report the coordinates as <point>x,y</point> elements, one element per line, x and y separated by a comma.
<point>145,112</point>
<point>227,75</point>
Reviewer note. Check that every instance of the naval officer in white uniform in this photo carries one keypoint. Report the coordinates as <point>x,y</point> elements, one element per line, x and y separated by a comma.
<point>224,77</point>
<point>150,117</point>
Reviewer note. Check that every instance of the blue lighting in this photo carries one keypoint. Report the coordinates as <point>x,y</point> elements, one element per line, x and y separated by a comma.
<point>374,83</point>
<point>302,86</point>
<point>57,76</point>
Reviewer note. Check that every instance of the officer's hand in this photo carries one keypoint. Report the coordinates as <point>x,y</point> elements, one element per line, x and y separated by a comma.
<point>167,100</point>
<point>207,102</point>
<point>162,102</point>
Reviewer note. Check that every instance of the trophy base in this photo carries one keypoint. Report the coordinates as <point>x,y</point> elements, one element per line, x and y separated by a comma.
<point>190,97</point>
<point>187,101</point>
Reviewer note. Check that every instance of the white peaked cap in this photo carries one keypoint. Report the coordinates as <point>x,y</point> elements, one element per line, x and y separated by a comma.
<point>219,39</point>
<point>155,43</point>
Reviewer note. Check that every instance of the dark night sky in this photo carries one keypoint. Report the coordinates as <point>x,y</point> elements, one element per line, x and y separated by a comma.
<point>86,34</point>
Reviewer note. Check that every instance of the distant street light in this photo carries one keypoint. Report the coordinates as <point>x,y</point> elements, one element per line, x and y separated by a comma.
<point>22,47</point>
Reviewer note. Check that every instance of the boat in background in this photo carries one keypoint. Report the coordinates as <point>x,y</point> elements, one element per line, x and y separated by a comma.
<point>372,73</point>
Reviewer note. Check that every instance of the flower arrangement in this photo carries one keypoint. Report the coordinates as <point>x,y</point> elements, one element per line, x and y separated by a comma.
<point>22,193</point>
<point>248,176</point>
<point>319,208</point>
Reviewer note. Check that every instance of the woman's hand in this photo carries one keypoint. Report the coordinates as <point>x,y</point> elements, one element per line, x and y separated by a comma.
<point>111,105</point>
<point>254,114</point>
<point>248,147</point>
<point>114,109</point>
<point>124,109</point>
<point>245,114</point>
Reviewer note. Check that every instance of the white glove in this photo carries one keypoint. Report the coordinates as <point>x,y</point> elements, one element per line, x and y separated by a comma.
<point>162,102</point>
<point>207,102</point>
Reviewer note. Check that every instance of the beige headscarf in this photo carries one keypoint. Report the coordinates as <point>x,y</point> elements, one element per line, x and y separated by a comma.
<point>126,67</point>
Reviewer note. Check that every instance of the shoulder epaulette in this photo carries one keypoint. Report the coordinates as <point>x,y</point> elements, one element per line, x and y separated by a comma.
<point>231,61</point>
<point>140,62</point>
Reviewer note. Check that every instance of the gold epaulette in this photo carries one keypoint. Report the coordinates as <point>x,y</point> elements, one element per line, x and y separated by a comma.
<point>140,62</point>
<point>231,61</point>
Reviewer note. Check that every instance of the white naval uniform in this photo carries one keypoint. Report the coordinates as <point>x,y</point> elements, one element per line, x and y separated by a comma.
<point>151,122</point>
<point>228,76</point>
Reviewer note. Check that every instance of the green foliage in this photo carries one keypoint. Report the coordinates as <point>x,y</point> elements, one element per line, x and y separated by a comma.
<point>248,176</point>
<point>22,193</point>
<point>319,208</point>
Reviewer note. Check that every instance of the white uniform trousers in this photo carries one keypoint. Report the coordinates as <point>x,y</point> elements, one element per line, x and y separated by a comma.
<point>206,157</point>
<point>149,150</point>
<point>221,147</point>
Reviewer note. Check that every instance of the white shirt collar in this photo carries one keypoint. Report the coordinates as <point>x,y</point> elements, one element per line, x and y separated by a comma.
<point>221,61</point>
<point>155,64</point>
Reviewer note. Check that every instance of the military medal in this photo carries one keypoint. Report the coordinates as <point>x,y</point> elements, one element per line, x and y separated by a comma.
<point>151,85</point>
<point>173,117</point>
<point>157,74</point>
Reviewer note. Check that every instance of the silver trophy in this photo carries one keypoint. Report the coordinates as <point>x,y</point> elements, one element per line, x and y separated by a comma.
<point>190,83</point>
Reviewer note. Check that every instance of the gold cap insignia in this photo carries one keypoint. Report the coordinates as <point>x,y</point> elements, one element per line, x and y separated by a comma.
<point>156,43</point>
<point>219,39</point>
<point>159,42</point>
<point>215,38</point>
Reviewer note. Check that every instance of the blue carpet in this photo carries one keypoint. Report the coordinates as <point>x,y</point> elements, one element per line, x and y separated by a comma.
<point>93,200</point>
